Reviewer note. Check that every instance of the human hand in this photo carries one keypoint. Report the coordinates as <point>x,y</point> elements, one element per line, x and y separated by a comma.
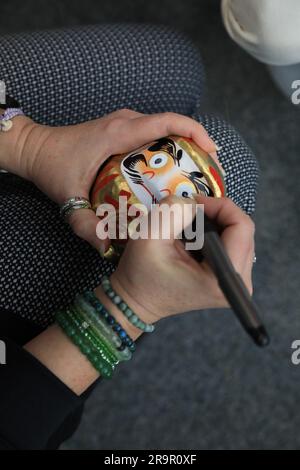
<point>159,278</point>
<point>63,161</point>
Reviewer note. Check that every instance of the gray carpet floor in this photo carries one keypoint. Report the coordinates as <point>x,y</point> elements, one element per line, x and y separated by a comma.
<point>198,382</point>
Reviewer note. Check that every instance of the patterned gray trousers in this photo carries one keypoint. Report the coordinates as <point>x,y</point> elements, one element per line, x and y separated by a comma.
<point>70,76</point>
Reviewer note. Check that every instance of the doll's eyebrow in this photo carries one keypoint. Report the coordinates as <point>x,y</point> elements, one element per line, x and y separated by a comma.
<point>129,163</point>
<point>166,145</point>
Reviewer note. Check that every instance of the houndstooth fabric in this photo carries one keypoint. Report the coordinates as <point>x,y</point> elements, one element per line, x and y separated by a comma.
<point>70,76</point>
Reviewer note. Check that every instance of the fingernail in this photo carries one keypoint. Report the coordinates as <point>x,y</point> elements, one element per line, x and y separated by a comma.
<point>214,155</point>
<point>105,253</point>
<point>218,148</point>
<point>110,255</point>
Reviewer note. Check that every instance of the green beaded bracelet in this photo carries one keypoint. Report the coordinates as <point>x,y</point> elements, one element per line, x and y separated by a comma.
<point>83,338</point>
<point>110,321</point>
<point>98,340</point>
<point>101,328</point>
<point>125,309</point>
<point>96,359</point>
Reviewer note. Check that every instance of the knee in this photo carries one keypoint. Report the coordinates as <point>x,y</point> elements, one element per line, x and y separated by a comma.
<point>238,161</point>
<point>175,69</point>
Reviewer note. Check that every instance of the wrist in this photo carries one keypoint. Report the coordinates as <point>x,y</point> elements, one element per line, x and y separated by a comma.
<point>132,296</point>
<point>20,146</point>
<point>131,330</point>
<point>132,303</point>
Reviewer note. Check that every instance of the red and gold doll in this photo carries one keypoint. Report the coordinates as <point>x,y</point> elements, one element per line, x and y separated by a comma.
<point>170,165</point>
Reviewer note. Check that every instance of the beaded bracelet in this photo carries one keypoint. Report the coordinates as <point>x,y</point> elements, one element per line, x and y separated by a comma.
<point>97,334</point>
<point>125,309</point>
<point>98,339</point>
<point>101,328</point>
<point>110,320</point>
<point>96,356</point>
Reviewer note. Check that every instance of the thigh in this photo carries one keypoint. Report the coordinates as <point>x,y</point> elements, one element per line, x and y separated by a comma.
<point>238,161</point>
<point>43,265</point>
<point>69,76</point>
<point>66,77</point>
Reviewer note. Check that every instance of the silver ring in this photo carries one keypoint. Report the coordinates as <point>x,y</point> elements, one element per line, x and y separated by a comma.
<point>72,204</point>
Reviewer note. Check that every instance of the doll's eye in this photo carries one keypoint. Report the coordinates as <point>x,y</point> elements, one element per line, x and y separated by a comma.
<point>158,161</point>
<point>184,190</point>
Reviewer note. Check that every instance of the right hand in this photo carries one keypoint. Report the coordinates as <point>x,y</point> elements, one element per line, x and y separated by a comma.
<point>159,278</point>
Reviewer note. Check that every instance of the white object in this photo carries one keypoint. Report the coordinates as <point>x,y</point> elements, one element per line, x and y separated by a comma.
<point>268,29</point>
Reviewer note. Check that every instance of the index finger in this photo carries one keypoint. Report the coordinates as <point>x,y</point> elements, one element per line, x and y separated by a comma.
<point>237,228</point>
<point>151,127</point>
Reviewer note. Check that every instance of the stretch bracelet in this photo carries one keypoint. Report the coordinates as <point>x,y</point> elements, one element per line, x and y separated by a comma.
<point>125,309</point>
<point>84,344</point>
<point>96,343</point>
<point>87,346</point>
<point>123,352</point>
<point>101,328</point>
<point>98,339</point>
<point>96,333</point>
<point>110,320</point>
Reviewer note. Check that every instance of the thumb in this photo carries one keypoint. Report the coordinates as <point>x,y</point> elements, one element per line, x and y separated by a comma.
<point>84,223</point>
<point>171,217</point>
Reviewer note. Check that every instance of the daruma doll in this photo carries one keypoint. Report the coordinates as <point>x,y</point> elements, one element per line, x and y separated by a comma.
<point>169,166</point>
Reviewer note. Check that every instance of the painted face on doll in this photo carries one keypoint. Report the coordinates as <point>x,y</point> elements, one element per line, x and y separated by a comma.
<point>161,169</point>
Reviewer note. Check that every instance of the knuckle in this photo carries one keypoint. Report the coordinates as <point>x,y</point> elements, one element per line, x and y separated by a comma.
<point>124,112</point>
<point>80,227</point>
<point>227,201</point>
<point>76,227</point>
<point>166,117</point>
<point>249,227</point>
<point>249,285</point>
<point>169,116</point>
<point>219,300</point>
<point>112,125</point>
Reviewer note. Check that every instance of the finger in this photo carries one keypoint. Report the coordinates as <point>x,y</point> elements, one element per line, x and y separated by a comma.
<point>84,223</point>
<point>237,228</point>
<point>214,155</point>
<point>168,219</point>
<point>247,274</point>
<point>147,128</point>
<point>123,113</point>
